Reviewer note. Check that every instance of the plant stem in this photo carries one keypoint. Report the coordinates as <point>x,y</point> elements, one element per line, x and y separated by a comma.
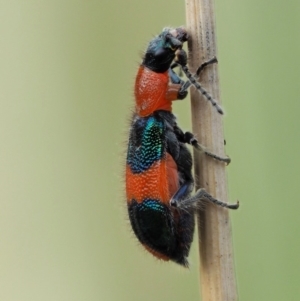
<point>215,242</point>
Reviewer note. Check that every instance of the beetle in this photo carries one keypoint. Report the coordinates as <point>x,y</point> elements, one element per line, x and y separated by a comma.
<point>159,179</point>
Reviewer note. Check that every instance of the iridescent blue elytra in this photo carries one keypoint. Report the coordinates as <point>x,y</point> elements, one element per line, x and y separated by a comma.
<point>145,145</point>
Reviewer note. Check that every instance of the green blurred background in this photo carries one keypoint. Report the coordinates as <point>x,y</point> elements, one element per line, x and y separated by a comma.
<point>67,69</point>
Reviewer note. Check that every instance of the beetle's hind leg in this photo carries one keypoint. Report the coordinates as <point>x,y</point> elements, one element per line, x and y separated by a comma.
<point>197,200</point>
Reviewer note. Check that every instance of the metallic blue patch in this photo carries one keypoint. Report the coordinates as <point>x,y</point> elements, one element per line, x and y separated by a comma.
<point>146,143</point>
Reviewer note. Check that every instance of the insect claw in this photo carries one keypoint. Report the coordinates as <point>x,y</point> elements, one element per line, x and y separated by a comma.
<point>234,206</point>
<point>227,161</point>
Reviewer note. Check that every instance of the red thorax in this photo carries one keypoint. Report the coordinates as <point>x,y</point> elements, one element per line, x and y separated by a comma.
<point>153,92</point>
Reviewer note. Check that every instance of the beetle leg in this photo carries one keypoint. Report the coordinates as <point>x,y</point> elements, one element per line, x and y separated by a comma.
<point>189,138</point>
<point>197,200</point>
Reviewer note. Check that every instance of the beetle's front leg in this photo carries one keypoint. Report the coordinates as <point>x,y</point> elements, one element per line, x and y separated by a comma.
<point>175,88</point>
